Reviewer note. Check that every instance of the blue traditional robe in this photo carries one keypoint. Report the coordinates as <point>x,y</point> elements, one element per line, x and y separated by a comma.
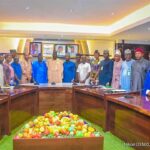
<point>106,71</point>
<point>17,70</point>
<point>69,71</point>
<point>39,72</point>
<point>125,76</point>
<point>147,82</point>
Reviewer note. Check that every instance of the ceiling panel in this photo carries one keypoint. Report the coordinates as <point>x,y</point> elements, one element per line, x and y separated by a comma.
<point>141,32</point>
<point>83,12</point>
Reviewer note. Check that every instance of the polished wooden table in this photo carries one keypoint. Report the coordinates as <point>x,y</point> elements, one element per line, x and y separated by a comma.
<point>58,98</point>
<point>90,104</point>
<point>4,115</point>
<point>55,97</point>
<point>129,119</point>
<point>23,104</point>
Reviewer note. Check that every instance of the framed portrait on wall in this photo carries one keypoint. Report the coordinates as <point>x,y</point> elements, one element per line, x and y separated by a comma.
<point>61,50</point>
<point>48,49</point>
<point>35,48</point>
<point>72,49</point>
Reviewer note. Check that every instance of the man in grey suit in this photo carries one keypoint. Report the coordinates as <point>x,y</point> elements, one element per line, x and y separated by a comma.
<point>138,70</point>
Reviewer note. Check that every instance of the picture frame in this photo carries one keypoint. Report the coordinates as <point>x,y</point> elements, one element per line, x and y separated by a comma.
<point>35,48</point>
<point>47,49</point>
<point>72,49</point>
<point>60,49</point>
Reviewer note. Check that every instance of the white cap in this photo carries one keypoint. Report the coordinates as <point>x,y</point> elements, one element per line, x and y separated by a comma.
<point>117,52</point>
<point>127,51</point>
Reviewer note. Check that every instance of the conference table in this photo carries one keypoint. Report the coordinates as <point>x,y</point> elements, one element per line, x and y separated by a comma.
<point>55,97</point>
<point>23,104</point>
<point>28,100</point>
<point>126,115</point>
<point>4,115</point>
<point>90,103</point>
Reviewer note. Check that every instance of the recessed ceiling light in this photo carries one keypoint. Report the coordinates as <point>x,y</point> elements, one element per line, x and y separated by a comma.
<point>27,8</point>
<point>112,13</point>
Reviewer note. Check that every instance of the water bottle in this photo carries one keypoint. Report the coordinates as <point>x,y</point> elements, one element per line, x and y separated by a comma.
<point>12,82</point>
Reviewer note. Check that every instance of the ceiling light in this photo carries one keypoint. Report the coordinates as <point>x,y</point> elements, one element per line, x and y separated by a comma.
<point>27,8</point>
<point>112,13</point>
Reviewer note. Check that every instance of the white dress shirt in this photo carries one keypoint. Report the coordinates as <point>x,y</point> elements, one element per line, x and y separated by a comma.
<point>1,75</point>
<point>83,70</point>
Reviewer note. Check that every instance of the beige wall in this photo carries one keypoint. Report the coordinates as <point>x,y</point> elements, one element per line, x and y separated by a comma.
<point>86,46</point>
<point>101,45</point>
<point>8,43</point>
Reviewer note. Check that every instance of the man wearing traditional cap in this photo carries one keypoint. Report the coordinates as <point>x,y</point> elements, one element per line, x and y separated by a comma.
<point>26,69</point>
<point>78,61</point>
<point>13,55</point>
<point>10,71</point>
<point>55,69</point>
<point>139,69</point>
<point>125,77</point>
<point>17,70</point>
<point>1,70</point>
<point>117,70</point>
<point>69,70</point>
<point>39,70</point>
<point>83,71</point>
<point>5,72</point>
<point>95,63</point>
<point>105,69</point>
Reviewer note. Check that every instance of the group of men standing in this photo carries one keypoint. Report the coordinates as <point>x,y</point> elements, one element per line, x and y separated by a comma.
<point>130,75</point>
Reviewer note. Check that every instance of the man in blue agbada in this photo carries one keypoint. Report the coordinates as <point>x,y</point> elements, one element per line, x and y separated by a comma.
<point>17,70</point>
<point>125,76</point>
<point>69,70</point>
<point>39,70</point>
<point>105,70</point>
